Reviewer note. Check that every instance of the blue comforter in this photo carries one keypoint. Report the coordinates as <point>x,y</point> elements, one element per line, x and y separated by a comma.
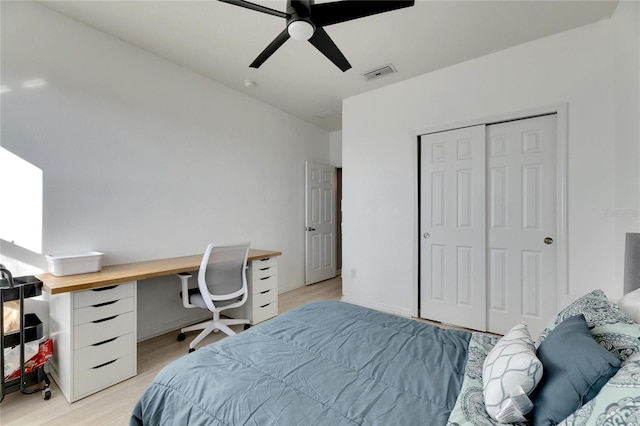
<point>325,363</point>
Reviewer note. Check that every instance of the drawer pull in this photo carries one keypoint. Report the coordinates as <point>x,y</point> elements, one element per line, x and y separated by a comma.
<point>111,287</point>
<point>265,278</point>
<point>105,319</point>
<point>105,341</point>
<point>99,305</point>
<point>265,269</point>
<point>264,260</point>
<point>264,306</point>
<point>265,292</point>
<point>105,364</point>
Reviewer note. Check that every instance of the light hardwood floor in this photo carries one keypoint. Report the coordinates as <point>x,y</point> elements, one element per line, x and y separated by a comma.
<point>113,405</point>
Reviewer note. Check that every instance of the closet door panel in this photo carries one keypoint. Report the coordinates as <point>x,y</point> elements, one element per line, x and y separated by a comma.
<point>452,222</point>
<point>522,213</point>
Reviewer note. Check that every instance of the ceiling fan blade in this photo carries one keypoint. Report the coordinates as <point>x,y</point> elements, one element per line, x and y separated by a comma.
<point>328,48</point>
<point>271,48</point>
<point>340,11</point>
<point>256,7</point>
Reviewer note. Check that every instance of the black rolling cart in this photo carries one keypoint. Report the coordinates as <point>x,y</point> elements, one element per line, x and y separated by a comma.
<point>21,288</point>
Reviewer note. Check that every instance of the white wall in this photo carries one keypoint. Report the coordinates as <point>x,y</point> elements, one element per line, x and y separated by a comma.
<point>582,67</point>
<point>335,148</point>
<point>626,40</point>
<point>143,159</point>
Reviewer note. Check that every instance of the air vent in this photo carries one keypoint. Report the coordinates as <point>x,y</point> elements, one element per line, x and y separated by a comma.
<point>326,114</point>
<point>379,72</point>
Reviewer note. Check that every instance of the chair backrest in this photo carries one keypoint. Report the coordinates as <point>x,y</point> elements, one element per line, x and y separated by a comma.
<point>222,275</point>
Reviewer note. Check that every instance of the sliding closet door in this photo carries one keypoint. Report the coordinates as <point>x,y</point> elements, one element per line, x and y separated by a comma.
<point>452,222</point>
<point>522,214</point>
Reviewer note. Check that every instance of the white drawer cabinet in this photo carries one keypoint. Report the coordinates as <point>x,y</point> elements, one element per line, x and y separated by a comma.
<point>262,301</point>
<point>94,337</point>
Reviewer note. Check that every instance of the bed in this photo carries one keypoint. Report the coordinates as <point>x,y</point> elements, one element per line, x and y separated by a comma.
<point>333,363</point>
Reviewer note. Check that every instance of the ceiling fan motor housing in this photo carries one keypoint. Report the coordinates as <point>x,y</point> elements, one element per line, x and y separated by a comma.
<point>301,25</point>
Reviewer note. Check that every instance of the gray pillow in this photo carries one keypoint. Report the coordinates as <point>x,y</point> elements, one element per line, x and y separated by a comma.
<point>575,368</point>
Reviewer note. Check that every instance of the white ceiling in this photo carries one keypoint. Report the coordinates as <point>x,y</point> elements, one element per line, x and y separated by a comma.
<point>219,41</point>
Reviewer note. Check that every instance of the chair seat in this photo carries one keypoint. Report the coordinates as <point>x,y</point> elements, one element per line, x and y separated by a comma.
<point>195,298</point>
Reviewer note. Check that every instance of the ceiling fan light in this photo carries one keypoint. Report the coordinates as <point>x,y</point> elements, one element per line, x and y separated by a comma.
<point>300,30</point>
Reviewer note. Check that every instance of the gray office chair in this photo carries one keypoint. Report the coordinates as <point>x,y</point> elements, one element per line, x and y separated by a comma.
<point>222,285</point>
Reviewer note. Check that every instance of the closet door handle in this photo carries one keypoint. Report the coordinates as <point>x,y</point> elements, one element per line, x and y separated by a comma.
<point>548,240</point>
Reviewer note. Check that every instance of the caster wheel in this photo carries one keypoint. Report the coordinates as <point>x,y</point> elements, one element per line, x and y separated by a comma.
<point>247,326</point>
<point>192,350</point>
<point>47,394</point>
<point>181,337</point>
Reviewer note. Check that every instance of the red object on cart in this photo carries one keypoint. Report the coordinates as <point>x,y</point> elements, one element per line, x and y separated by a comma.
<point>45,352</point>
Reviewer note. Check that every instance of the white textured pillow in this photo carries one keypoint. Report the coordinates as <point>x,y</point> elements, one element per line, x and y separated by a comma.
<point>630,305</point>
<point>509,373</point>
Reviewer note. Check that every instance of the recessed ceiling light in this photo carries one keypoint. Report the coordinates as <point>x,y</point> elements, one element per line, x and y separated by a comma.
<point>249,83</point>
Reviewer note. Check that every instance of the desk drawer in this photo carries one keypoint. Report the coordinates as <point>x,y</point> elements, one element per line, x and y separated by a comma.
<point>262,313</point>
<point>100,295</point>
<point>94,332</point>
<point>102,310</point>
<point>103,375</point>
<point>263,271</point>
<point>263,263</point>
<point>265,298</point>
<point>263,284</point>
<point>99,353</point>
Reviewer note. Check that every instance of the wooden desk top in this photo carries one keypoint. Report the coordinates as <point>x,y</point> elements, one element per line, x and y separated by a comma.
<point>114,274</point>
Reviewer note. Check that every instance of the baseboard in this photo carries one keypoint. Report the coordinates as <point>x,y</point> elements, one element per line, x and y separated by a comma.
<point>380,307</point>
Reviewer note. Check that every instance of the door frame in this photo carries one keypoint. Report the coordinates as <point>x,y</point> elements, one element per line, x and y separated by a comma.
<point>308,280</point>
<point>561,110</point>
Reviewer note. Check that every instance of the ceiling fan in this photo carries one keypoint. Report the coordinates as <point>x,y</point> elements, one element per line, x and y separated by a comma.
<point>305,21</point>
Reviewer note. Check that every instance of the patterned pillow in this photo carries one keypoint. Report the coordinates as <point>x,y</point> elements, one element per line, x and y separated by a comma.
<point>617,403</point>
<point>469,408</point>
<point>603,318</point>
<point>510,372</point>
<point>621,339</point>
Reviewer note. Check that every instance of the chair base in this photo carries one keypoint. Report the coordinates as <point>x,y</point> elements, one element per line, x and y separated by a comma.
<point>208,327</point>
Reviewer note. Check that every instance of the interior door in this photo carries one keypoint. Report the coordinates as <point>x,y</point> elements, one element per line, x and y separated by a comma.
<point>452,222</point>
<point>320,224</point>
<point>522,215</point>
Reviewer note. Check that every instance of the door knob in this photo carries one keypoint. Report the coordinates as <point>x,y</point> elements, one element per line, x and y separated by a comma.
<point>426,235</point>
<point>548,240</point>
<point>311,229</point>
